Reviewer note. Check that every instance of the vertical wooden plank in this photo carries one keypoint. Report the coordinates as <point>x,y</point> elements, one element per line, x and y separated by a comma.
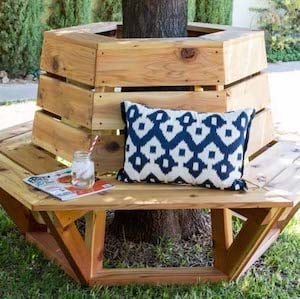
<point>19,214</point>
<point>221,235</point>
<point>261,132</point>
<point>72,245</point>
<point>95,237</point>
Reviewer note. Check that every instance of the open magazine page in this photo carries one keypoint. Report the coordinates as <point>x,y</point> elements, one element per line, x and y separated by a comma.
<point>58,184</point>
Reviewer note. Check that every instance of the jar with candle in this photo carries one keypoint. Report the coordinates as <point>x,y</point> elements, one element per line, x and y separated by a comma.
<point>83,170</point>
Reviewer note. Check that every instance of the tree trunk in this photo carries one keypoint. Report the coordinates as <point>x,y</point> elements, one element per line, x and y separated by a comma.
<point>157,19</point>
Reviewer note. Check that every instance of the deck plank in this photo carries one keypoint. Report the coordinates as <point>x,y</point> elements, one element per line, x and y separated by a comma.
<point>15,131</point>
<point>270,163</point>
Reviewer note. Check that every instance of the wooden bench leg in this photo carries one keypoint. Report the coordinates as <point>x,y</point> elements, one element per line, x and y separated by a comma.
<point>95,237</point>
<point>254,237</point>
<point>72,245</point>
<point>19,214</point>
<point>221,236</point>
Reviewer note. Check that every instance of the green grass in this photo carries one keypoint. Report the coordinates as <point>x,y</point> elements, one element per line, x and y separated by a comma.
<point>24,273</point>
<point>9,103</point>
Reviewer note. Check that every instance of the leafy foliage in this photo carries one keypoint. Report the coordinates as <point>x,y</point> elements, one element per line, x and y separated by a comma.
<point>20,35</point>
<point>281,22</point>
<point>67,13</point>
<point>215,12</point>
<point>108,10</point>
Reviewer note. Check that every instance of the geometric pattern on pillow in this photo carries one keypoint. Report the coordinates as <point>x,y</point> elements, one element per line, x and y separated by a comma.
<point>185,147</point>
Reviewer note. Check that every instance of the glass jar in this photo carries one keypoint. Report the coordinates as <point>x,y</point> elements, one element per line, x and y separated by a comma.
<point>83,170</point>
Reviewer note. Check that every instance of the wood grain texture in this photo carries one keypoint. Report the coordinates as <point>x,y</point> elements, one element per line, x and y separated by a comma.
<point>95,237</point>
<point>244,58</point>
<point>107,112</point>
<point>271,162</point>
<point>15,131</point>
<point>72,246</point>
<point>66,218</point>
<point>250,93</point>
<point>261,132</point>
<point>58,138</point>
<point>68,59</point>
<point>71,53</point>
<point>287,183</point>
<point>247,242</point>
<point>158,276</point>
<point>62,140</point>
<point>222,236</point>
<point>66,100</point>
<point>19,214</point>
<point>184,63</point>
<point>269,239</point>
<point>101,110</point>
<point>11,182</point>
<point>32,158</point>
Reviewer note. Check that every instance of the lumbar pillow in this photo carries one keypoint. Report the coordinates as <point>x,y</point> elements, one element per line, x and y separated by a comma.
<point>178,146</point>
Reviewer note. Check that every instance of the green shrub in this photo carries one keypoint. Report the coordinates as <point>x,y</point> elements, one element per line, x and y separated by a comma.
<point>191,10</point>
<point>66,13</point>
<point>20,36</point>
<point>107,10</point>
<point>215,12</point>
<point>281,22</point>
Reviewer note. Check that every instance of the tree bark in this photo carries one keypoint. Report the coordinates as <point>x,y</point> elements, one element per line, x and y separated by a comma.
<point>157,19</point>
<point>154,18</point>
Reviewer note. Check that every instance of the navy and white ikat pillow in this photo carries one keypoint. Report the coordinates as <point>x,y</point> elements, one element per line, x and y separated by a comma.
<point>177,146</point>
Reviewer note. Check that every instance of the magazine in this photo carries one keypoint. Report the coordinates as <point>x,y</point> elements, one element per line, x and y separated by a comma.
<point>58,184</point>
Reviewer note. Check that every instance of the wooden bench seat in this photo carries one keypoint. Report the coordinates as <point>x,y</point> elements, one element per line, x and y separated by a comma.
<point>267,207</point>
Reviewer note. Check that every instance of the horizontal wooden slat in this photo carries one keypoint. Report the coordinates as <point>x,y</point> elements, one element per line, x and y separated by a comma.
<point>215,58</point>
<point>66,100</point>
<point>62,140</point>
<point>68,59</point>
<point>107,112</point>
<point>20,150</point>
<point>128,64</point>
<point>158,276</point>
<point>101,110</point>
<point>58,138</point>
<point>253,92</point>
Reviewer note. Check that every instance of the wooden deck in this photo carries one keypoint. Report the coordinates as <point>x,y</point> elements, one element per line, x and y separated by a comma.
<point>271,201</point>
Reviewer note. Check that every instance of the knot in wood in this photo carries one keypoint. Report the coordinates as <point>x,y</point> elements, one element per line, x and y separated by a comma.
<point>188,53</point>
<point>55,63</point>
<point>112,146</point>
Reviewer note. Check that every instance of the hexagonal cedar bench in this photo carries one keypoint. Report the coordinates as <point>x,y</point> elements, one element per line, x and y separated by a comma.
<point>80,94</point>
